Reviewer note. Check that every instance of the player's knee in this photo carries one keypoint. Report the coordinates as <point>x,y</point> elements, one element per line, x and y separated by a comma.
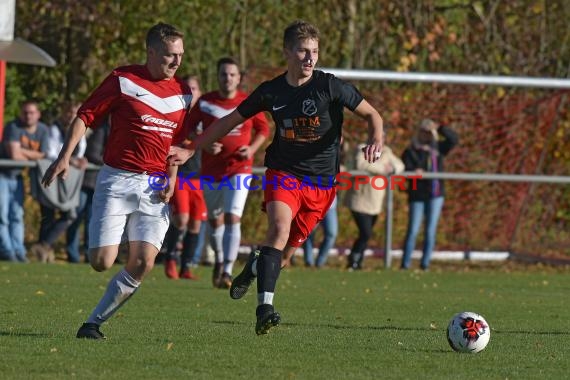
<point>181,220</point>
<point>99,260</point>
<point>279,233</point>
<point>100,264</point>
<point>144,265</point>
<point>147,265</point>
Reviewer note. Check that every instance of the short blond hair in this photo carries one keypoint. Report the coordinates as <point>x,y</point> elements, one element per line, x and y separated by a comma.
<point>161,33</point>
<point>299,30</point>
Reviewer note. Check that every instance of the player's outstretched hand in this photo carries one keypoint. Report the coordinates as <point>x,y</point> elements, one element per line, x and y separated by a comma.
<point>244,152</point>
<point>372,152</point>
<point>166,193</point>
<point>58,168</point>
<point>178,155</point>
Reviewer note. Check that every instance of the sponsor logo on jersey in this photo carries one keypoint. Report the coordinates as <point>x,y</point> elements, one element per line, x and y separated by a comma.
<point>154,120</point>
<point>309,107</point>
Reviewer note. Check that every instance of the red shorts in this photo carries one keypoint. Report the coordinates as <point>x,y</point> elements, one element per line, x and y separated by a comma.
<point>308,204</point>
<point>189,200</point>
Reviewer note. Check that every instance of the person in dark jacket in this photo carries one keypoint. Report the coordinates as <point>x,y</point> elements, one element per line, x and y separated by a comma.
<point>430,144</point>
<point>94,155</point>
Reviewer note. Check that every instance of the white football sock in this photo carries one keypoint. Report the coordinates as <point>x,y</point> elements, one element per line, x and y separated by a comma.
<point>265,298</point>
<point>216,242</point>
<point>119,290</point>
<point>231,242</point>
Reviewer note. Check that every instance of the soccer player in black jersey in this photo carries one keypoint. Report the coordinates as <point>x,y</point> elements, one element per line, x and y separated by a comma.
<point>302,160</point>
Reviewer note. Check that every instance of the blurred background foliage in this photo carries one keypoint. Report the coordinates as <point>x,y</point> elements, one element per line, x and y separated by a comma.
<point>493,37</point>
<point>88,38</point>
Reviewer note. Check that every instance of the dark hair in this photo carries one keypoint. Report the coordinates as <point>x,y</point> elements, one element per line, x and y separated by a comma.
<point>226,61</point>
<point>187,77</point>
<point>161,33</point>
<point>299,30</point>
<point>30,102</point>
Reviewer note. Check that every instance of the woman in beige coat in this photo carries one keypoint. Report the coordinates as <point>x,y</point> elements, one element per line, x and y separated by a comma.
<point>365,202</point>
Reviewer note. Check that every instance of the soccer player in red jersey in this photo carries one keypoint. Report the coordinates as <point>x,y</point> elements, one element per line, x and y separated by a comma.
<point>147,105</point>
<point>188,210</point>
<point>226,166</point>
<point>302,160</point>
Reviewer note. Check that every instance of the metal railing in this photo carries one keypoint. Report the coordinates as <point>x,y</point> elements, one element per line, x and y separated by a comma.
<point>389,207</point>
<point>463,177</point>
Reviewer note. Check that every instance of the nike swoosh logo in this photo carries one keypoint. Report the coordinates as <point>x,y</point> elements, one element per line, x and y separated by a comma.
<point>139,95</point>
<point>278,108</point>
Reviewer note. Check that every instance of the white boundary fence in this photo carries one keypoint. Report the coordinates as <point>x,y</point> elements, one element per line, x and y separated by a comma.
<point>378,75</point>
<point>390,254</point>
<point>389,209</point>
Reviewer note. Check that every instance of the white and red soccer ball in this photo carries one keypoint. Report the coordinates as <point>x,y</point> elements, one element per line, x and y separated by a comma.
<point>468,332</point>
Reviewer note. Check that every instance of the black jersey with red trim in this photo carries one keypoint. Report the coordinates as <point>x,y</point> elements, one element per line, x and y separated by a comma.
<point>308,123</point>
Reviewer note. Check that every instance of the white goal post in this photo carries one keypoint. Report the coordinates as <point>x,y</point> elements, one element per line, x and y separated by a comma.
<point>490,80</point>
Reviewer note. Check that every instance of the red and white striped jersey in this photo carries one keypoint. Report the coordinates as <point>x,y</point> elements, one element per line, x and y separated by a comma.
<point>147,117</point>
<point>211,107</point>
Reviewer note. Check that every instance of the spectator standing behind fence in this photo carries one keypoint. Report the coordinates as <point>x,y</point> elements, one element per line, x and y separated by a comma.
<point>54,221</point>
<point>431,142</point>
<point>58,130</point>
<point>95,148</point>
<point>24,139</point>
<point>365,202</point>
<point>188,211</point>
<point>227,163</point>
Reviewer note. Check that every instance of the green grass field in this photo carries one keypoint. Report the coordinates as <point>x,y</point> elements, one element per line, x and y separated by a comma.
<point>380,324</point>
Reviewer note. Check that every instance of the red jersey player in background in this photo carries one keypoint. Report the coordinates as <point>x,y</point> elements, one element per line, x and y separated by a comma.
<point>147,105</point>
<point>188,211</point>
<point>227,163</point>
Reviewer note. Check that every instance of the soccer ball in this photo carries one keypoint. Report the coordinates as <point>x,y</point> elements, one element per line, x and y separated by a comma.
<point>468,332</point>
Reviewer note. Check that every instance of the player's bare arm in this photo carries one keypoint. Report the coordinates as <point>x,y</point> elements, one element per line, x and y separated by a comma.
<point>179,155</point>
<point>60,166</point>
<point>373,148</point>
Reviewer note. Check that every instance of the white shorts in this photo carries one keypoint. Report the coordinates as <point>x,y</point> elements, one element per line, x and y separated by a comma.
<point>227,197</point>
<point>126,208</point>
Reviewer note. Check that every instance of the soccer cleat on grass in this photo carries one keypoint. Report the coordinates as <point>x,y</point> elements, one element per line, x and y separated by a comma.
<point>225,281</point>
<point>90,331</point>
<point>187,274</point>
<point>170,269</point>
<point>266,319</point>
<point>243,281</point>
